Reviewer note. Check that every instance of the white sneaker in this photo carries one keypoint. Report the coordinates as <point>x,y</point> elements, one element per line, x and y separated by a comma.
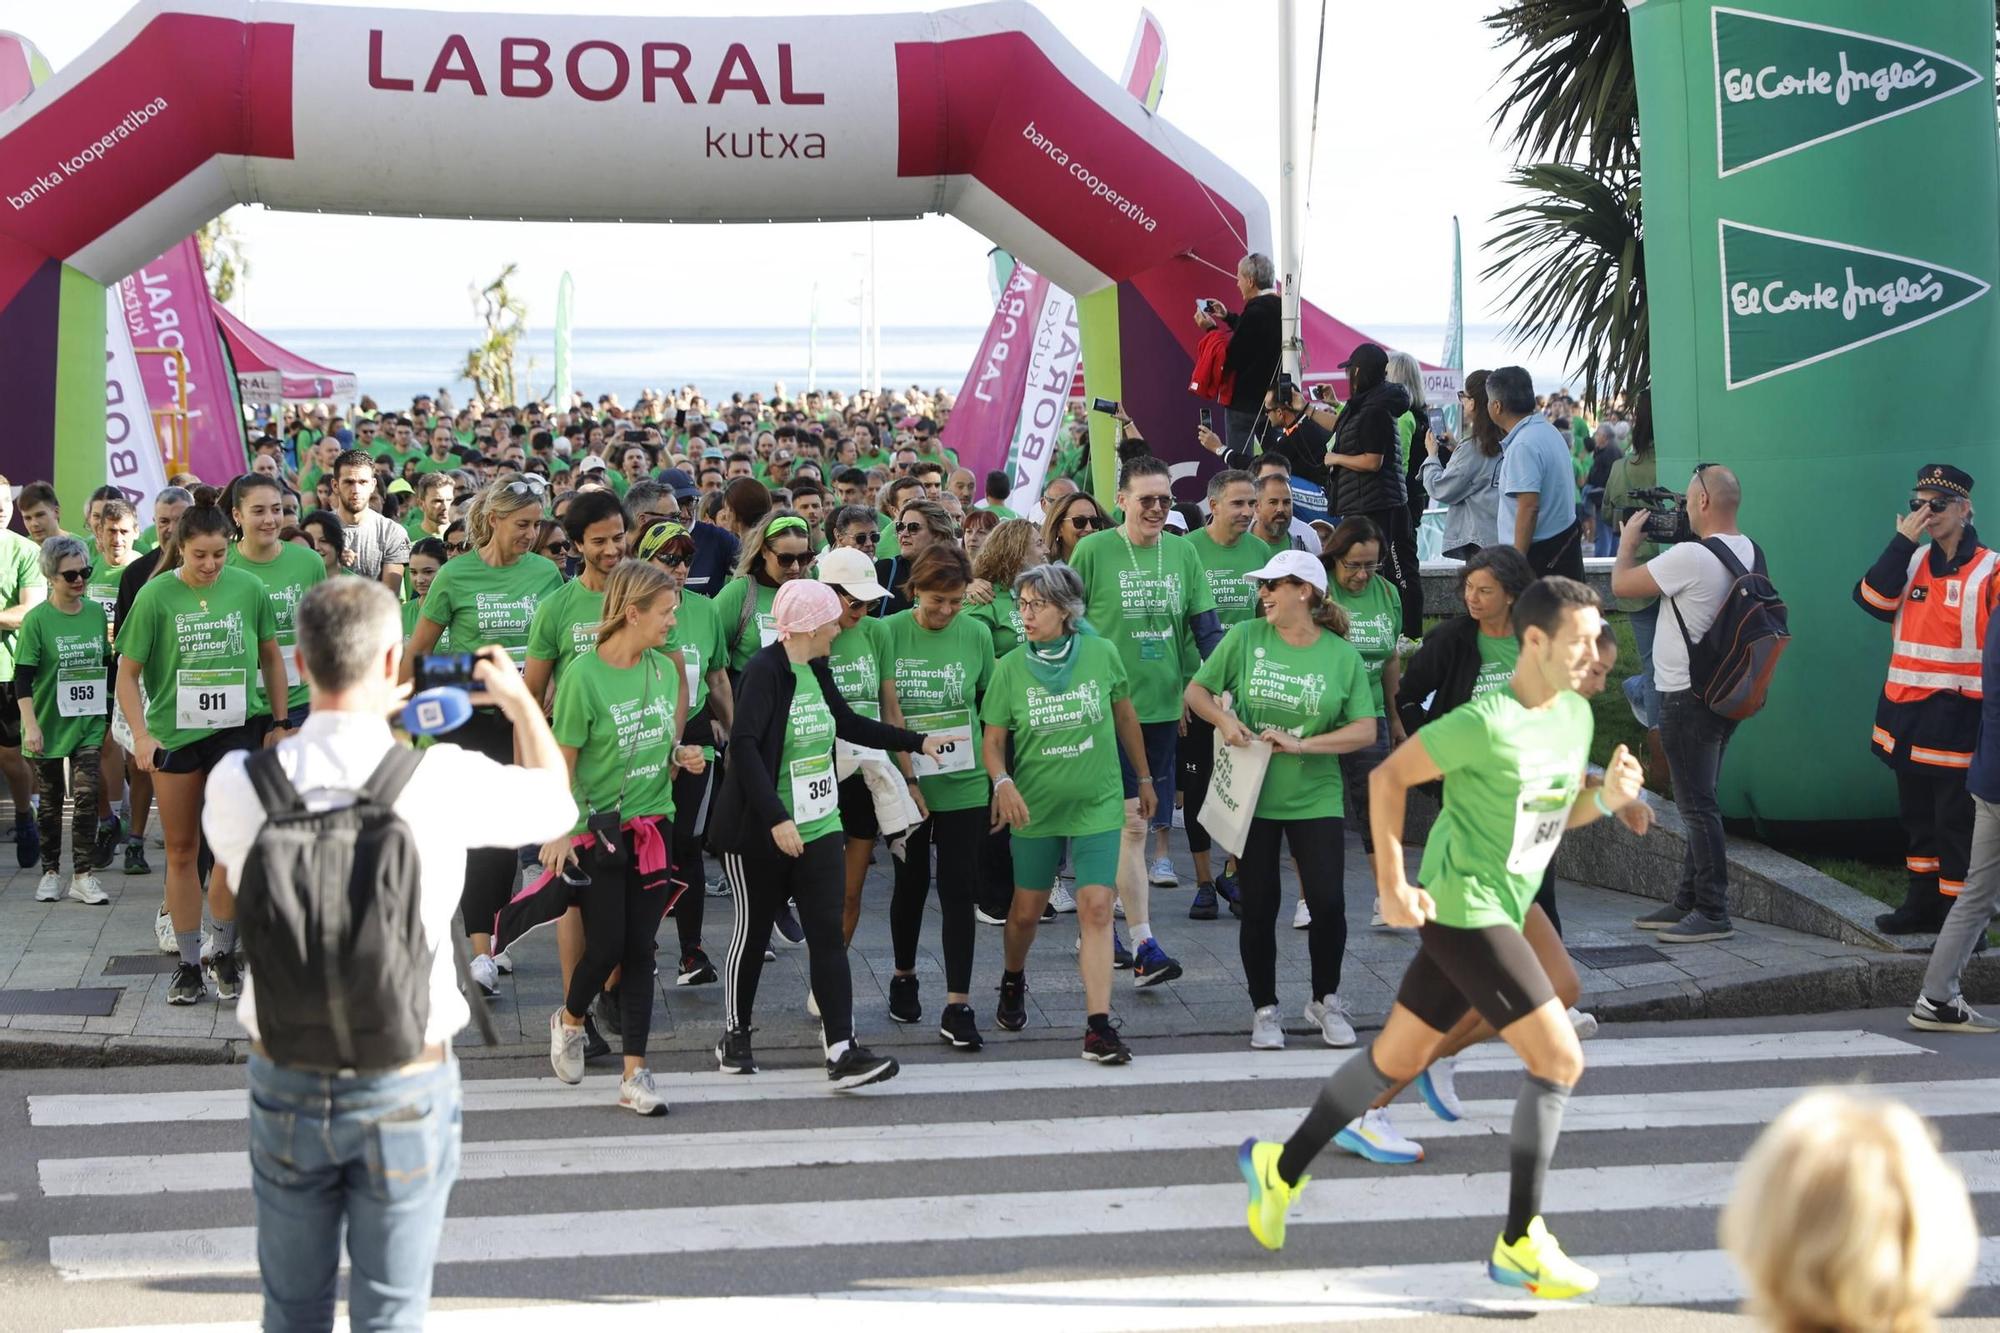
<point>1303,917</point>
<point>1438,1086</point>
<point>1375,917</point>
<point>637,1093</point>
<point>1265,1032</point>
<point>718,888</point>
<point>1161,874</point>
<point>49,889</point>
<point>1118,907</point>
<point>503,963</point>
<point>1373,1137</point>
<point>1585,1024</point>
<point>163,931</point>
<point>566,1049</point>
<point>85,889</point>
<point>486,974</point>
<point>1061,898</point>
<point>1333,1019</point>
<point>812,1002</point>
<point>986,918</point>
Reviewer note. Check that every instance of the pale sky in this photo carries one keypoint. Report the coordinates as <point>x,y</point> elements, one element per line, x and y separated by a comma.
<point>1404,143</point>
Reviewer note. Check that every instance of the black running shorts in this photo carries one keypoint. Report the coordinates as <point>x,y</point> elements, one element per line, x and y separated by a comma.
<point>1492,969</point>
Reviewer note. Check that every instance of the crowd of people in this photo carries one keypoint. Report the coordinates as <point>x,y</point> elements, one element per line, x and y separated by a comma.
<point>789,637</point>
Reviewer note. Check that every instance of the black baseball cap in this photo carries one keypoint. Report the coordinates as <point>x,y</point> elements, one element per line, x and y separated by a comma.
<point>1366,356</point>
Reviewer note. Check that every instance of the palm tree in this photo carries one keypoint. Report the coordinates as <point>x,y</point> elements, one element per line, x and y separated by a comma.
<point>1574,250</point>
<point>490,365</point>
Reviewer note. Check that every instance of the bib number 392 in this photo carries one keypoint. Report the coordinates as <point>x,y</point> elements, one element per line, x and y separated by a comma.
<point>813,789</point>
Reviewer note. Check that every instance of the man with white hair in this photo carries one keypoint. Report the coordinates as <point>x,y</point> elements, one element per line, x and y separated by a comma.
<point>1252,357</point>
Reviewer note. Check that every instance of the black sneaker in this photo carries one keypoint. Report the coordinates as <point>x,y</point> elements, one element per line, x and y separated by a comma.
<point>1203,907</point>
<point>609,1009</point>
<point>1954,1015</point>
<point>27,840</point>
<point>223,972</point>
<point>1908,920</point>
<point>1105,1046</point>
<point>1048,913</point>
<point>957,1026</point>
<point>186,987</point>
<point>105,849</point>
<point>732,1053</point>
<point>788,927</point>
<point>1012,1012</point>
<point>135,858</point>
<point>858,1066</point>
<point>695,970</point>
<point>904,1006</point>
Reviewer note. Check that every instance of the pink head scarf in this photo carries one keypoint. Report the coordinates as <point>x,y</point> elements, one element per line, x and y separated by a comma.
<point>802,606</point>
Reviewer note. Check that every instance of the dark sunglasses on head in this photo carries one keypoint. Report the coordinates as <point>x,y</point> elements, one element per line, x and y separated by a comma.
<point>76,575</point>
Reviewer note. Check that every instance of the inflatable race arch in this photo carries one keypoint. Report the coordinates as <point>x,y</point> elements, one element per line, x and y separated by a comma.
<point>987,113</point>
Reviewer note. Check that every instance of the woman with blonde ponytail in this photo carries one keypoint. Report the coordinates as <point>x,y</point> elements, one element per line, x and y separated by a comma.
<point>489,596</point>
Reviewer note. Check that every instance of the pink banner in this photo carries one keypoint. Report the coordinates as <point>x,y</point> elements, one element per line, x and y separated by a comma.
<point>166,304</point>
<point>988,407</point>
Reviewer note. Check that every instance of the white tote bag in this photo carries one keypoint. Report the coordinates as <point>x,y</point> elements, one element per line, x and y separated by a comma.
<point>1233,786</point>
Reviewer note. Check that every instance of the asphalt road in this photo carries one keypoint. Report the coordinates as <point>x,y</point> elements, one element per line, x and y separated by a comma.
<point>1020,1184</point>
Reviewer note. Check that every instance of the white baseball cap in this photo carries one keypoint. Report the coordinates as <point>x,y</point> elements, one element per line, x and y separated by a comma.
<point>590,463</point>
<point>845,567</point>
<point>1291,565</point>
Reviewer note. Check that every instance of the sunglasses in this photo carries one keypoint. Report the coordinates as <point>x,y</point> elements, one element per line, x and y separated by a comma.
<point>1918,504</point>
<point>910,529</point>
<point>797,560</point>
<point>528,485</point>
<point>669,559</point>
<point>870,537</point>
<point>457,548</point>
<point>1286,582</point>
<point>1088,522</point>
<point>1153,501</point>
<point>554,549</point>
<point>76,575</point>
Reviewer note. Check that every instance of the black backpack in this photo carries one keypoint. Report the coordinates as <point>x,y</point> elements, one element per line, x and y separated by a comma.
<point>329,912</point>
<point>1730,669</point>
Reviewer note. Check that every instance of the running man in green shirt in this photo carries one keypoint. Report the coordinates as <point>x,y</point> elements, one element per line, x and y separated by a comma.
<point>1516,760</point>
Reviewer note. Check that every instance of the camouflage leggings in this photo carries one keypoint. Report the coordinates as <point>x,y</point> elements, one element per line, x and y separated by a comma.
<point>84,778</point>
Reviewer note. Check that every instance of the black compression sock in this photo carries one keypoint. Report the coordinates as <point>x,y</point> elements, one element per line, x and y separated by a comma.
<point>1099,1022</point>
<point>1538,1118</point>
<point>1015,977</point>
<point>1352,1090</point>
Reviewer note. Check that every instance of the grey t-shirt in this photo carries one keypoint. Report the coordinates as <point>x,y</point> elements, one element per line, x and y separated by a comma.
<point>377,541</point>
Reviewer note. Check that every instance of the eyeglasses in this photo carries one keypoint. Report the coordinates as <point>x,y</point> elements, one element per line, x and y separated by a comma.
<point>796,560</point>
<point>1153,501</point>
<point>76,575</point>
<point>1088,522</point>
<point>1356,567</point>
<point>1030,605</point>
<point>1918,504</point>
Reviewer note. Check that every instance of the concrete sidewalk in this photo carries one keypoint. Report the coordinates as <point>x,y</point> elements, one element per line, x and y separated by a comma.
<point>67,956</point>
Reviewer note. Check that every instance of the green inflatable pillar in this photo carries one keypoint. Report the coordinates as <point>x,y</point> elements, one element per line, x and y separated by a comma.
<point>1822,200</point>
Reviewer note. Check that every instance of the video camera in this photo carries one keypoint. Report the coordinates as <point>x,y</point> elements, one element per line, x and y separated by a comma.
<point>1666,515</point>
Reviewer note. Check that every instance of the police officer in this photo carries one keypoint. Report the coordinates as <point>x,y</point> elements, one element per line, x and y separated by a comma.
<point>1937,602</point>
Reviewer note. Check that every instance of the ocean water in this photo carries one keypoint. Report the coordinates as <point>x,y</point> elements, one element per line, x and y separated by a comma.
<point>393,365</point>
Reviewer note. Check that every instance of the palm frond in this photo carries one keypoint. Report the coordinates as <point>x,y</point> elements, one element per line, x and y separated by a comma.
<point>1569,92</point>
<point>1573,254</point>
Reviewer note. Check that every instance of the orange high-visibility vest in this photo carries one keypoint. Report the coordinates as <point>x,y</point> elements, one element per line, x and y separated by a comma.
<point>1939,632</point>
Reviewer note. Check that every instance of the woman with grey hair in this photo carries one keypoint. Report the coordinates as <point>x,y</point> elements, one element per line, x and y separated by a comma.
<point>1061,700</point>
<point>61,653</point>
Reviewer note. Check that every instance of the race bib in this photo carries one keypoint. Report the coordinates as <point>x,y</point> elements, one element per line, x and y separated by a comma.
<point>767,630</point>
<point>1152,647</point>
<point>211,700</point>
<point>954,728</point>
<point>1539,822</point>
<point>861,754</point>
<point>812,788</point>
<point>80,692</point>
<point>691,659</point>
<point>291,656</point>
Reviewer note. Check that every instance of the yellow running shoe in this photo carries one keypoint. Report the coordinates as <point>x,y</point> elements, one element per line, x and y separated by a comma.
<point>1537,1265</point>
<point>1270,1196</point>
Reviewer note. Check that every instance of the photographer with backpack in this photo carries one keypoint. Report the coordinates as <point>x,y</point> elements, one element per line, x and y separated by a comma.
<point>1716,594</point>
<point>347,857</point>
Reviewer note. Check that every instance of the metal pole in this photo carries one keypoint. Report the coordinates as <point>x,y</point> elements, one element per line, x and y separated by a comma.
<point>812,342</point>
<point>874,313</point>
<point>1291,200</point>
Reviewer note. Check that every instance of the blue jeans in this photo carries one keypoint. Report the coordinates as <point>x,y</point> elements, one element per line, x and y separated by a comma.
<point>1639,691</point>
<point>377,1153</point>
<point>1695,739</point>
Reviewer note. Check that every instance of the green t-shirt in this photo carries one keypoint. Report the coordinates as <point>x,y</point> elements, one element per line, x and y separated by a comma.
<point>697,637</point>
<point>149,540</point>
<point>449,463</point>
<point>856,660</point>
<point>20,570</point>
<point>620,722</point>
<point>1496,663</point>
<point>1002,620</point>
<point>286,579</point>
<point>760,632</point>
<point>197,649</point>
<point>805,764</point>
<point>1630,473</point>
<point>1374,620</point>
<point>565,625</point>
<point>103,587</point>
<point>1306,691</point>
<point>939,677</point>
<point>1512,774</point>
<point>1065,742</point>
<point>411,610</point>
<point>1226,566</point>
<point>1001,512</point>
<point>1139,598</point>
<point>72,690</point>
<point>478,603</point>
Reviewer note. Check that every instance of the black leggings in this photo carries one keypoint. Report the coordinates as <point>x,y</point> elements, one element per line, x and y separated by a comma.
<point>620,920</point>
<point>1197,756</point>
<point>1319,846</point>
<point>960,837</point>
<point>1545,898</point>
<point>1489,968</point>
<point>690,817</point>
<point>489,871</point>
<point>760,882</point>
<point>996,872</point>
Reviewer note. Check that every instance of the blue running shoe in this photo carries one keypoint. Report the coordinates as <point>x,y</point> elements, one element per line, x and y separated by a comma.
<point>1151,966</point>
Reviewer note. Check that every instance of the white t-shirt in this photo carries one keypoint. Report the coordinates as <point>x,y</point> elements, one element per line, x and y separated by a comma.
<point>1696,581</point>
